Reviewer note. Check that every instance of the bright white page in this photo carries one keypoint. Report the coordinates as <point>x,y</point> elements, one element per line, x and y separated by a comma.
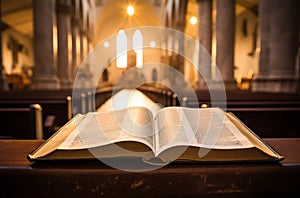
<point>208,128</point>
<point>98,129</point>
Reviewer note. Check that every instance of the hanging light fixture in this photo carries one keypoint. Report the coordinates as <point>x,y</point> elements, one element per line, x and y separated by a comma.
<point>130,10</point>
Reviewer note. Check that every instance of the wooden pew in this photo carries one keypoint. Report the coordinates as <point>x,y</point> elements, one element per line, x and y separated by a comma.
<point>157,94</point>
<point>56,105</point>
<point>83,101</point>
<point>161,95</point>
<point>21,123</point>
<point>103,94</point>
<point>267,114</point>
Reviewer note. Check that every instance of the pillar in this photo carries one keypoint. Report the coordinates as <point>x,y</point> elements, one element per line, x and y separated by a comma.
<point>225,32</point>
<point>1,64</point>
<point>2,77</point>
<point>277,71</point>
<point>180,25</point>
<point>284,38</point>
<point>63,30</point>
<point>264,21</point>
<point>75,61</point>
<point>45,69</point>
<point>81,38</point>
<point>205,39</point>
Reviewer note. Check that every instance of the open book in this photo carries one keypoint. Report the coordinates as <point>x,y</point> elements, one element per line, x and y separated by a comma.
<point>172,133</point>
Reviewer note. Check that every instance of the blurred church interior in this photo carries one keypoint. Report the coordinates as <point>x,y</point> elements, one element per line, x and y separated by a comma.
<point>60,58</point>
<point>247,48</point>
<point>254,44</point>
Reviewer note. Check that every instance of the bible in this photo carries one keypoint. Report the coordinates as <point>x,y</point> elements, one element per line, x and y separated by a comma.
<point>169,134</point>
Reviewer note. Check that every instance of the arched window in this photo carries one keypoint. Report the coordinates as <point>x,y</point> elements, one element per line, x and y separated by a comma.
<point>137,43</point>
<point>121,49</point>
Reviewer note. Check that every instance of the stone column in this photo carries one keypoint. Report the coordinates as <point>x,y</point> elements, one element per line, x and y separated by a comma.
<point>45,69</point>
<point>278,62</point>
<point>2,77</point>
<point>63,30</point>
<point>1,64</point>
<point>299,53</point>
<point>205,39</point>
<point>284,38</point>
<point>75,33</point>
<point>82,34</point>
<point>264,21</point>
<point>85,44</point>
<point>180,25</point>
<point>225,32</point>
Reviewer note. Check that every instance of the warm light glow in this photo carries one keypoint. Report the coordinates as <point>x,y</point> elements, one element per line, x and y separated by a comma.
<point>137,44</point>
<point>130,10</point>
<point>121,49</point>
<point>193,20</point>
<point>106,44</point>
<point>152,44</point>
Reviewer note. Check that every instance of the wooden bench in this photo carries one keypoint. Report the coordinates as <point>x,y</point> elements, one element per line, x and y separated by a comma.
<point>21,123</point>
<point>161,95</point>
<point>56,105</point>
<point>267,114</point>
<point>83,101</point>
<point>103,94</point>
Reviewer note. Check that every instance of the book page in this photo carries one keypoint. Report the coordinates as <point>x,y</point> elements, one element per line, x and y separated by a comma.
<point>98,129</point>
<point>208,128</point>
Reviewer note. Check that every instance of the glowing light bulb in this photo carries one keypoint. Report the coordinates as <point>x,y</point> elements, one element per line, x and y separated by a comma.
<point>106,44</point>
<point>152,43</point>
<point>130,10</point>
<point>193,20</point>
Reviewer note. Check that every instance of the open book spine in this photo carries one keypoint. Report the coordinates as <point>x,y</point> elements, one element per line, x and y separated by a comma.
<point>255,139</point>
<point>56,139</point>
